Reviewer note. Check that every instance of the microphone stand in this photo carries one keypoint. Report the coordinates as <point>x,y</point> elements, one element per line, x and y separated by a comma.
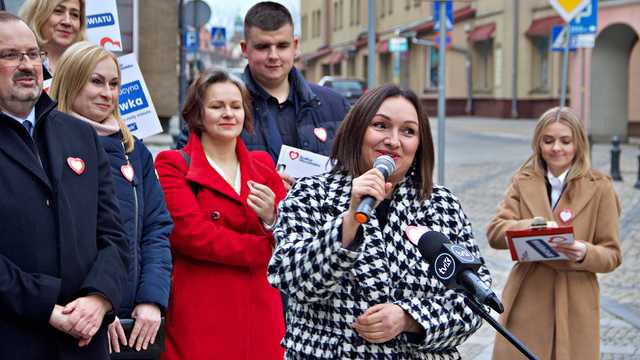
<point>477,308</point>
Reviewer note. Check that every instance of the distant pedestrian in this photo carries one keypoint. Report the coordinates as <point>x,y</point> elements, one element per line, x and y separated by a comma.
<point>87,85</point>
<point>554,306</point>
<point>223,199</point>
<point>62,246</point>
<point>57,25</point>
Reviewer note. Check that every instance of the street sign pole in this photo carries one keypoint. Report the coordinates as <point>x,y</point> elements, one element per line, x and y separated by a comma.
<point>371,46</point>
<point>441,99</point>
<point>565,67</point>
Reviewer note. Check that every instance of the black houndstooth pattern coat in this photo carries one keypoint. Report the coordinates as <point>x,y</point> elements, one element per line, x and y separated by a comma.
<point>330,286</point>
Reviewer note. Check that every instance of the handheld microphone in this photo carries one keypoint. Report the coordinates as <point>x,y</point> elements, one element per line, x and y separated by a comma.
<point>453,265</point>
<point>386,166</point>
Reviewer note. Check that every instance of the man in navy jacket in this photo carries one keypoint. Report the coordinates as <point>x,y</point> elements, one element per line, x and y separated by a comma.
<point>62,259</point>
<point>287,110</point>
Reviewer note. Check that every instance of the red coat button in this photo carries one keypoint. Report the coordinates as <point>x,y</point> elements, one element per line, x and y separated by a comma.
<point>215,215</point>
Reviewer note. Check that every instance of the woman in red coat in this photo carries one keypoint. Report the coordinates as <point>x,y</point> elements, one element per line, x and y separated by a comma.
<point>222,199</point>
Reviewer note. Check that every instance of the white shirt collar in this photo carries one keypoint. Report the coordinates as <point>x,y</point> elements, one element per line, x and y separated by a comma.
<point>557,181</point>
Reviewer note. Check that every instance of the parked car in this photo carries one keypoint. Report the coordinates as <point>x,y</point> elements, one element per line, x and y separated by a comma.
<point>350,88</point>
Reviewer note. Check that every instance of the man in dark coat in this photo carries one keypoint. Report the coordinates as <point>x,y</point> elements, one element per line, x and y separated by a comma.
<point>287,110</point>
<point>62,259</point>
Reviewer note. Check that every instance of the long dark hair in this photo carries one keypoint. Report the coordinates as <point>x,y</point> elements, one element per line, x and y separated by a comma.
<point>346,151</point>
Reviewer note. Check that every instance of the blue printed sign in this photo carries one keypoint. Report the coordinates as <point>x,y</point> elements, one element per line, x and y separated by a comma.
<point>586,22</point>
<point>559,40</point>
<point>218,36</point>
<point>132,98</point>
<point>448,12</point>
<point>99,20</point>
<point>191,41</point>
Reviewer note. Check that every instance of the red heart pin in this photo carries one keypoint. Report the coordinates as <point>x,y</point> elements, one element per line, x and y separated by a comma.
<point>127,172</point>
<point>566,216</point>
<point>294,155</point>
<point>321,133</point>
<point>76,164</point>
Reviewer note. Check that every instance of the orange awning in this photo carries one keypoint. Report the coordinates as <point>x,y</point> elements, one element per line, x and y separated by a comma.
<point>482,32</point>
<point>335,57</point>
<point>542,27</point>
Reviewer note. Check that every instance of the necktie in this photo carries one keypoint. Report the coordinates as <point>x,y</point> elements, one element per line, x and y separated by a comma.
<point>27,125</point>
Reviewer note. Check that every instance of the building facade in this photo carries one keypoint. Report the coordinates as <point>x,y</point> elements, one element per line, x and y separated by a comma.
<point>498,63</point>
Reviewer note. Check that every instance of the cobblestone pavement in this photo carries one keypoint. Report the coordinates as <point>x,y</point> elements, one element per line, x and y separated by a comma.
<point>480,175</point>
<point>481,156</point>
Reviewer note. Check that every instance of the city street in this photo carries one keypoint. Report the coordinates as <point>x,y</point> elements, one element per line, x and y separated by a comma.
<point>481,156</point>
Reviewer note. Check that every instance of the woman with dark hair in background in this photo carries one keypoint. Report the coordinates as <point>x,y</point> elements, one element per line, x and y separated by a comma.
<point>362,290</point>
<point>222,198</point>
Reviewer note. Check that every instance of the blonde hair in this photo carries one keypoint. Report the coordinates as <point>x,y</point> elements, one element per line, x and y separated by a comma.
<point>74,71</point>
<point>565,116</point>
<point>36,13</point>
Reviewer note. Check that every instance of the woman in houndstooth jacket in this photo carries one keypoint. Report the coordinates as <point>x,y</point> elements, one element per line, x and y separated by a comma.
<point>363,291</point>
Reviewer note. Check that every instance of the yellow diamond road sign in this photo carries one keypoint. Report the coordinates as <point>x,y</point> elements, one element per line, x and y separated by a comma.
<point>568,9</point>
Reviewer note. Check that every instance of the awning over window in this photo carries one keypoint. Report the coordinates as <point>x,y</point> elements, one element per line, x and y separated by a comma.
<point>310,57</point>
<point>542,27</point>
<point>335,57</point>
<point>482,32</point>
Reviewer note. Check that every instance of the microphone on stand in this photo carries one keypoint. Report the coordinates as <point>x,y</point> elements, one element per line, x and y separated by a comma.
<point>453,265</point>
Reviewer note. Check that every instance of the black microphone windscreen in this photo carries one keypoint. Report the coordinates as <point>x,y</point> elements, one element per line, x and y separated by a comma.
<point>430,244</point>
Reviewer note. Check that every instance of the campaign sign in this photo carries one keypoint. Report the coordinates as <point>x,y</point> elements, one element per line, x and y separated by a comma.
<point>103,27</point>
<point>134,102</point>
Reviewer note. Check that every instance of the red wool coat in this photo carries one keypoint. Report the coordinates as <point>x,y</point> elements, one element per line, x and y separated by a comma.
<point>221,305</point>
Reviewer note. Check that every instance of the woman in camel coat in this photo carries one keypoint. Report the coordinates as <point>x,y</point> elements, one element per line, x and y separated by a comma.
<point>553,306</point>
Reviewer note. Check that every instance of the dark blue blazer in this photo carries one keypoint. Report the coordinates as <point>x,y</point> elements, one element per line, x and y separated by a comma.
<point>60,236</point>
<point>147,224</point>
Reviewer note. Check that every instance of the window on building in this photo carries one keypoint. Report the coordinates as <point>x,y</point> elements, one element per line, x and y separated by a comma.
<point>315,24</point>
<point>386,68</point>
<point>335,16</point>
<point>337,69</point>
<point>352,13</point>
<point>417,3</point>
<point>304,27</point>
<point>383,7</point>
<point>365,67</point>
<point>540,64</point>
<point>390,3</point>
<point>358,11</point>
<point>483,71</point>
<point>351,66</point>
<point>433,61</point>
<point>326,69</point>
<point>341,14</point>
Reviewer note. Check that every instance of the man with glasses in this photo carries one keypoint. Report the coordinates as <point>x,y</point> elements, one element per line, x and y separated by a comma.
<point>62,247</point>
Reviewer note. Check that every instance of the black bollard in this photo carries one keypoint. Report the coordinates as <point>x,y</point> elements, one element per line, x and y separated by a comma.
<point>615,159</point>
<point>637,185</point>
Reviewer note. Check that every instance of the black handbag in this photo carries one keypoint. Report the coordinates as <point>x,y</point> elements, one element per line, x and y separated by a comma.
<point>153,350</point>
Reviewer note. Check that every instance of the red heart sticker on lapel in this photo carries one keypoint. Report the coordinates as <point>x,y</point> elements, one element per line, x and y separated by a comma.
<point>567,215</point>
<point>127,172</point>
<point>321,133</point>
<point>294,155</point>
<point>76,164</point>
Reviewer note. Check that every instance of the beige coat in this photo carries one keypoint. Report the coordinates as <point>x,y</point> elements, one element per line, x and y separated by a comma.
<point>553,306</point>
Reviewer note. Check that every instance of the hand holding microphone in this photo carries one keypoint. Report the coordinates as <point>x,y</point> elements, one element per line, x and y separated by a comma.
<point>370,187</point>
